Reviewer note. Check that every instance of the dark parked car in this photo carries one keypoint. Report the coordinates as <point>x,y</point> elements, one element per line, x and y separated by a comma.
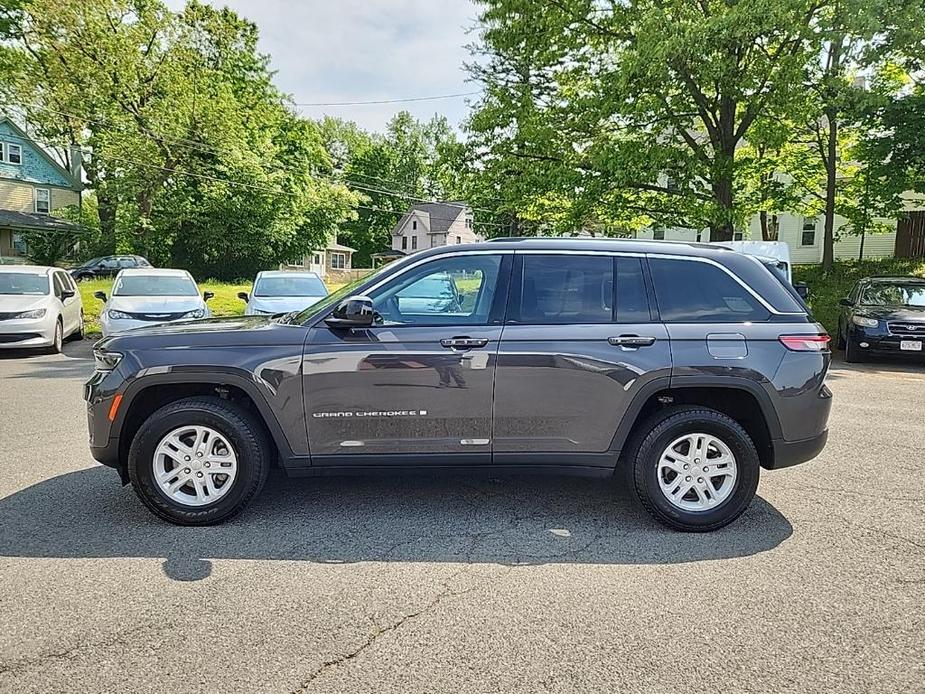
<point>108,266</point>
<point>690,367</point>
<point>883,315</point>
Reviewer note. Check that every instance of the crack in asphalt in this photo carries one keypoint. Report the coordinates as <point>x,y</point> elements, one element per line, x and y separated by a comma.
<point>380,631</point>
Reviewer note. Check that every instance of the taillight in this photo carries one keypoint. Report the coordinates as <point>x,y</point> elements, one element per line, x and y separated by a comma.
<point>805,343</point>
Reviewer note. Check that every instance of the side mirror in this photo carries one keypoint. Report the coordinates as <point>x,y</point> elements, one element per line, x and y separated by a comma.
<point>207,295</point>
<point>67,294</point>
<point>101,296</point>
<point>802,289</point>
<point>243,297</point>
<point>352,312</point>
<point>846,302</point>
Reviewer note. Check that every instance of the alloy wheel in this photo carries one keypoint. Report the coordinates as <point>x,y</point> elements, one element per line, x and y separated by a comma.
<point>697,472</point>
<point>195,465</point>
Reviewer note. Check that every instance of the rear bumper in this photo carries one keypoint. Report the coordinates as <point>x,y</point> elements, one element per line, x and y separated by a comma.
<point>789,453</point>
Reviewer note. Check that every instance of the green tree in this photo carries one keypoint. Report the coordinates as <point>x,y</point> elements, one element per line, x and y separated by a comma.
<point>633,113</point>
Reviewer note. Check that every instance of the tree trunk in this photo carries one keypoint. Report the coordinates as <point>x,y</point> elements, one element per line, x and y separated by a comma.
<point>107,207</point>
<point>763,218</point>
<point>722,192</point>
<point>145,204</point>
<point>828,237</point>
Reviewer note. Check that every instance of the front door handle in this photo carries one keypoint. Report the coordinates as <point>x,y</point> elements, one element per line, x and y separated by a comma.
<point>463,342</point>
<point>631,341</point>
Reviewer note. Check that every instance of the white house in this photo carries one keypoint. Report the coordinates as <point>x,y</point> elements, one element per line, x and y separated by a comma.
<point>334,257</point>
<point>431,224</point>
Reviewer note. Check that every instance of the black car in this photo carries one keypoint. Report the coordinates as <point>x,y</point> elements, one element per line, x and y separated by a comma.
<point>107,266</point>
<point>883,315</point>
<point>690,367</point>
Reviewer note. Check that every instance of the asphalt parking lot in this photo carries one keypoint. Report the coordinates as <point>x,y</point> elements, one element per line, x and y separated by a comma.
<point>424,584</point>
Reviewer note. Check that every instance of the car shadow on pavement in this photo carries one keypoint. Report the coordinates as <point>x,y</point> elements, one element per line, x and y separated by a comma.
<point>510,521</point>
<point>75,361</point>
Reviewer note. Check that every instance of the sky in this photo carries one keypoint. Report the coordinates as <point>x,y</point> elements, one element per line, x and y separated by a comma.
<point>365,50</point>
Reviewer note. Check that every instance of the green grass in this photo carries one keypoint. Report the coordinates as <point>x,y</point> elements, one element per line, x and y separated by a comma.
<point>224,303</point>
<point>825,289</point>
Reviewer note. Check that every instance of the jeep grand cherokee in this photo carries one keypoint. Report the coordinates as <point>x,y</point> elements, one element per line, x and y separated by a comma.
<point>689,367</point>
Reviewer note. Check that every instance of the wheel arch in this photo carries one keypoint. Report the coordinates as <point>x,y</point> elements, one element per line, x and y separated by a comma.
<point>742,399</point>
<point>149,393</point>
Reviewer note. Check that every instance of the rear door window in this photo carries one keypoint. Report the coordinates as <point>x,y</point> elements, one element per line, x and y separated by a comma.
<point>690,291</point>
<point>563,289</point>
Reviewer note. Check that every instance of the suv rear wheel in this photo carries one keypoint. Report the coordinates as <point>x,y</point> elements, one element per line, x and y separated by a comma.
<point>693,468</point>
<point>198,461</point>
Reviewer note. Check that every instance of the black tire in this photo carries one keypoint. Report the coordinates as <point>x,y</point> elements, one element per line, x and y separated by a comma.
<point>841,338</point>
<point>242,430</point>
<point>83,278</point>
<point>79,333</point>
<point>57,342</point>
<point>655,435</point>
<point>853,353</point>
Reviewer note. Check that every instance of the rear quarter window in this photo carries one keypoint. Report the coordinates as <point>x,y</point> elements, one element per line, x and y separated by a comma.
<point>689,291</point>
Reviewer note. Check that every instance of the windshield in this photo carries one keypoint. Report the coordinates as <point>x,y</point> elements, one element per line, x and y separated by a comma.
<point>899,294</point>
<point>290,286</point>
<point>23,283</point>
<point>93,261</point>
<point>154,285</point>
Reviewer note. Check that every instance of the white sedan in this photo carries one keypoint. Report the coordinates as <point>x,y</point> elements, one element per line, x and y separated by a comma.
<point>147,296</point>
<point>39,307</point>
<point>281,291</point>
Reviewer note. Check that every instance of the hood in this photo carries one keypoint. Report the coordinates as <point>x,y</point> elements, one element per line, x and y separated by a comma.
<point>208,333</point>
<point>10,303</point>
<point>281,304</point>
<point>893,313</point>
<point>155,304</point>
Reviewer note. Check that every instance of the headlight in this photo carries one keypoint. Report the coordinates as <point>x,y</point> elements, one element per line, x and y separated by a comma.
<point>37,313</point>
<point>195,313</point>
<point>865,322</point>
<point>106,361</point>
<point>118,315</point>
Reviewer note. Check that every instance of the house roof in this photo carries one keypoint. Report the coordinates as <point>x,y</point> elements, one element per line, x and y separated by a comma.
<point>442,215</point>
<point>21,220</point>
<point>45,155</point>
<point>338,247</point>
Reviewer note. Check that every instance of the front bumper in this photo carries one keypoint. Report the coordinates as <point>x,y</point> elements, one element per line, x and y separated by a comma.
<point>878,340</point>
<point>789,453</point>
<point>33,332</point>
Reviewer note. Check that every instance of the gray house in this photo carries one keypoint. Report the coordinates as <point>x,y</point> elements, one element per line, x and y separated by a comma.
<point>431,224</point>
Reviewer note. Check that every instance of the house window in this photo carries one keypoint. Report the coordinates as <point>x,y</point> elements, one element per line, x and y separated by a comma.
<point>316,259</point>
<point>658,234</point>
<point>2,151</point>
<point>414,243</point>
<point>42,200</point>
<point>808,237</point>
<point>468,222</point>
<point>339,261</point>
<point>738,236</point>
<point>13,153</point>
<point>414,225</point>
<point>404,243</point>
<point>459,239</point>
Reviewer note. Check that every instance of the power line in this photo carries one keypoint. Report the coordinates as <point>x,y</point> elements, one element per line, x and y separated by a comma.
<point>387,101</point>
<point>284,169</point>
<point>250,186</point>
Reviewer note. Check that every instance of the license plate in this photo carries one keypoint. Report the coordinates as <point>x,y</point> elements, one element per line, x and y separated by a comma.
<point>910,345</point>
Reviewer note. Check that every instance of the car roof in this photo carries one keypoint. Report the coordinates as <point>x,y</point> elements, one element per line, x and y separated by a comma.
<point>607,244</point>
<point>894,280</point>
<point>287,273</point>
<point>28,269</point>
<point>149,271</point>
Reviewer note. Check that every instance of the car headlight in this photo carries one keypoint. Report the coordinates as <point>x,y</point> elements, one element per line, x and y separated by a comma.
<point>105,360</point>
<point>195,313</point>
<point>118,315</point>
<point>865,322</point>
<point>37,313</point>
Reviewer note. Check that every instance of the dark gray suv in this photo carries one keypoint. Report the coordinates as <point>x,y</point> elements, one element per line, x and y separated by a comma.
<point>690,367</point>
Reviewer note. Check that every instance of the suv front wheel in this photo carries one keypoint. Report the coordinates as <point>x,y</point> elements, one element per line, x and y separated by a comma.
<point>693,468</point>
<point>198,461</point>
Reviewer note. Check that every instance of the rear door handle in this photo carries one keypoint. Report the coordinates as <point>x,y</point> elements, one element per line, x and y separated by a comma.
<point>463,342</point>
<point>631,341</point>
